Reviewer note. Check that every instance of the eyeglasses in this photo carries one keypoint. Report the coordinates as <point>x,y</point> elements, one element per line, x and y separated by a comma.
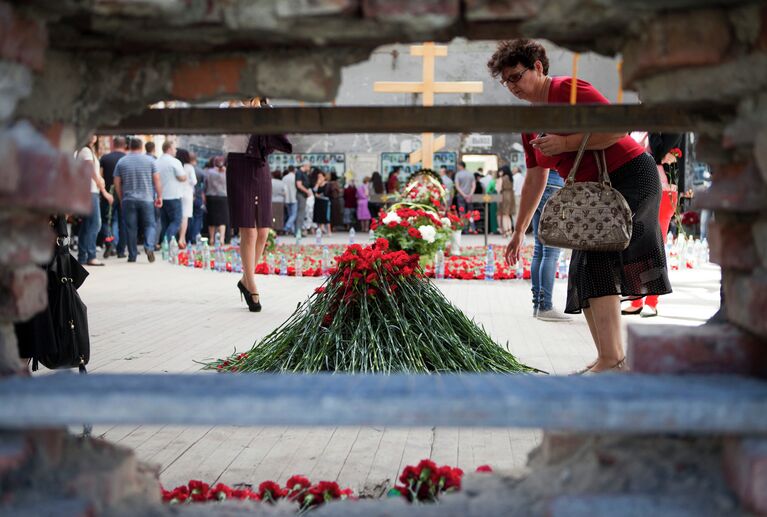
<point>513,78</point>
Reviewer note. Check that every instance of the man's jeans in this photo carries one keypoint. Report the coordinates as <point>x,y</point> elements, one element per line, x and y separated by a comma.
<point>467,206</point>
<point>89,230</point>
<point>290,222</point>
<point>139,213</point>
<point>300,213</point>
<point>195,226</point>
<point>170,219</point>
<point>115,228</point>
<point>543,269</point>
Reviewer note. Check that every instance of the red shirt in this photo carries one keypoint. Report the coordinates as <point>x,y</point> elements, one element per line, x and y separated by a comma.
<point>623,151</point>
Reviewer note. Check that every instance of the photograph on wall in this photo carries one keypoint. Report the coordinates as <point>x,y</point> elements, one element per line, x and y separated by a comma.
<point>326,162</point>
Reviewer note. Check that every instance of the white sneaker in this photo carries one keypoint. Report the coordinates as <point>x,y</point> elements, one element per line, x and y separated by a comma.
<point>553,315</point>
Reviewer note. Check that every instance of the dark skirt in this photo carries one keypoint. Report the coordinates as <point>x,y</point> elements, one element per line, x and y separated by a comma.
<point>249,189</point>
<point>218,210</point>
<point>321,213</point>
<point>640,269</point>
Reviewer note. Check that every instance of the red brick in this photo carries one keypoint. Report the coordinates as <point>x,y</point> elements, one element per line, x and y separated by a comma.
<point>735,187</point>
<point>51,182</point>
<point>28,239</point>
<point>22,40</point>
<point>48,444</point>
<point>9,166</point>
<point>746,300</point>
<point>745,468</point>
<point>556,447</point>
<point>23,293</point>
<point>405,9</point>
<point>674,41</point>
<point>14,452</point>
<point>204,79</point>
<point>732,245</point>
<point>714,349</point>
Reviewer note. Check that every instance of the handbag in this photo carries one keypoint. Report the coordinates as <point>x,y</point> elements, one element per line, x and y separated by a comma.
<point>58,336</point>
<point>589,215</point>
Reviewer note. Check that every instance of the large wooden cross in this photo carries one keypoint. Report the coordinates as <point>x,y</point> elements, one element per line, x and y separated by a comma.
<point>428,87</point>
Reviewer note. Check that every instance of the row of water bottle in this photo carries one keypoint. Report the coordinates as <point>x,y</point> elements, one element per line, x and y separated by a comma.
<point>271,263</point>
<point>215,259</point>
<point>686,252</point>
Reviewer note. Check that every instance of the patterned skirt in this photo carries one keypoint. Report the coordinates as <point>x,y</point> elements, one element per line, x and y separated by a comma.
<point>640,269</point>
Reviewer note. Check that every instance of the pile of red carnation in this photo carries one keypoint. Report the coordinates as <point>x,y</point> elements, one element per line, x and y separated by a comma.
<point>298,489</point>
<point>426,481</point>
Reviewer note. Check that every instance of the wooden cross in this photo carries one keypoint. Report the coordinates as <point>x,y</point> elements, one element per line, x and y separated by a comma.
<point>428,87</point>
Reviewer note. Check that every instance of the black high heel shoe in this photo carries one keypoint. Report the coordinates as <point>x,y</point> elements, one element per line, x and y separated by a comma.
<point>253,305</point>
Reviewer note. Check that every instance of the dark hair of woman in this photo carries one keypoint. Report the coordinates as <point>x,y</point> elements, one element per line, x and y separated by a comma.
<point>333,176</point>
<point>183,156</point>
<point>506,171</point>
<point>519,51</point>
<point>378,186</point>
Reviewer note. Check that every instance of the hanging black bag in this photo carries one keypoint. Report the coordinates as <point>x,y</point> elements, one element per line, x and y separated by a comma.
<point>58,336</point>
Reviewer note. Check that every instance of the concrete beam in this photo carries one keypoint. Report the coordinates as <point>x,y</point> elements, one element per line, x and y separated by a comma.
<point>413,119</point>
<point>630,403</point>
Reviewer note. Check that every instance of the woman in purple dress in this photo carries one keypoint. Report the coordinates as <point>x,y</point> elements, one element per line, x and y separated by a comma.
<point>249,191</point>
<point>363,212</point>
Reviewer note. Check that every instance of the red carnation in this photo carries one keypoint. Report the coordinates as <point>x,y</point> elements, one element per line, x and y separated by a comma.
<point>269,491</point>
<point>484,468</point>
<point>414,233</point>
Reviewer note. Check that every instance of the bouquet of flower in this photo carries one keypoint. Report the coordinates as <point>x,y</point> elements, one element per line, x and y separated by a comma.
<point>365,319</point>
<point>460,220</point>
<point>426,481</point>
<point>413,228</point>
<point>425,188</point>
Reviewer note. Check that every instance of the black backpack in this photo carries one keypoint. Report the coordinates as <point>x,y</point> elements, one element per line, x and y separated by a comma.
<point>58,336</point>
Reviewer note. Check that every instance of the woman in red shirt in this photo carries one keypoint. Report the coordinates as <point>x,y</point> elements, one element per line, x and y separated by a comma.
<point>596,280</point>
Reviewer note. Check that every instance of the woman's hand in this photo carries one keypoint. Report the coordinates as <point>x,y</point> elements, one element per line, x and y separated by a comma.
<point>514,248</point>
<point>550,145</point>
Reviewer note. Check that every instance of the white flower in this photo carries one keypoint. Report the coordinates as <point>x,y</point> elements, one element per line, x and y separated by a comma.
<point>446,222</point>
<point>392,217</point>
<point>428,232</point>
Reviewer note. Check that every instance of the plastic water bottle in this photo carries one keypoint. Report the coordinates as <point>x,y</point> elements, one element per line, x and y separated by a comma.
<point>439,264</point>
<point>299,265</point>
<point>489,263</point>
<point>352,234</point>
<point>563,268</point>
<point>173,251</point>
<point>165,249</point>
<point>205,254</point>
<point>190,256</point>
<point>283,265</point>
<point>271,263</point>
<point>325,261</point>
<point>318,237</point>
<point>298,238</point>
<point>371,236</point>
<point>704,251</point>
<point>237,263</point>
<point>519,271</point>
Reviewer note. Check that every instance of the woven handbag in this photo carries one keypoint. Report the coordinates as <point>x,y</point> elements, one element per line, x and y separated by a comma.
<point>589,215</point>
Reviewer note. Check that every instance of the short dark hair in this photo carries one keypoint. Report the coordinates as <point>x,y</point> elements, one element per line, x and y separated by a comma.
<point>119,142</point>
<point>517,51</point>
<point>462,164</point>
<point>149,147</point>
<point>277,174</point>
<point>291,168</point>
<point>136,144</point>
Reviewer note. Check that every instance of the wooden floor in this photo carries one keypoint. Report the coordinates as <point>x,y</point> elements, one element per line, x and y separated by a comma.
<point>162,318</point>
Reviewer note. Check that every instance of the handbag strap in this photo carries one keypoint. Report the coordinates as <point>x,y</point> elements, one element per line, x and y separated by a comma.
<point>601,159</point>
<point>571,177</point>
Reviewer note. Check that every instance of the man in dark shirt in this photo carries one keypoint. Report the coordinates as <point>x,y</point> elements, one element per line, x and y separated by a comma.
<point>112,230</point>
<point>303,191</point>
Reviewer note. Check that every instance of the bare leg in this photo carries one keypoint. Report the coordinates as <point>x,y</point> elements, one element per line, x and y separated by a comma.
<point>211,234</point>
<point>262,236</point>
<point>248,256</point>
<point>594,334</point>
<point>222,234</point>
<point>605,313</point>
<point>182,231</point>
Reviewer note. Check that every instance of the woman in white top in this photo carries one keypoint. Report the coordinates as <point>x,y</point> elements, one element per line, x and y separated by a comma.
<point>187,197</point>
<point>91,223</point>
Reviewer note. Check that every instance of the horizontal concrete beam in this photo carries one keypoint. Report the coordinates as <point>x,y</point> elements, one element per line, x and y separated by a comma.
<point>623,403</point>
<point>416,119</point>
